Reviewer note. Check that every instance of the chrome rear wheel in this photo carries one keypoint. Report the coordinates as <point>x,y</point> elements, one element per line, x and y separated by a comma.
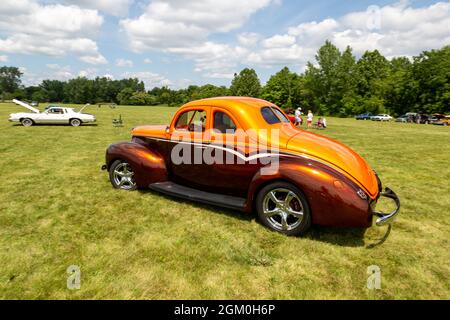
<point>283,207</point>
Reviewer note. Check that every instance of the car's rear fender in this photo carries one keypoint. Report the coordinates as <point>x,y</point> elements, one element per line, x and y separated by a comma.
<point>148,165</point>
<point>333,198</point>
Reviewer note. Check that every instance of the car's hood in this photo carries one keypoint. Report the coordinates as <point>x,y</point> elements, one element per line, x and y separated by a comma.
<point>336,154</point>
<point>26,105</point>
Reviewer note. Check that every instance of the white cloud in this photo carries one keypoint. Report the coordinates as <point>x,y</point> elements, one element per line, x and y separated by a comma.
<point>124,63</point>
<point>179,23</point>
<point>214,60</point>
<point>393,29</point>
<point>89,73</point>
<point>279,41</point>
<point>54,71</point>
<point>60,72</point>
<point>182,27</point>
<point>249,39</point>
<point>396,29</point>
<point>3,58</point>
<point>52,29</point>
<point>150,79</point>
<point>147,61</point>
<point>113,7</point>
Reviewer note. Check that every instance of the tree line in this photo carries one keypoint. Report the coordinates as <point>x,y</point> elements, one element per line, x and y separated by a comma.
<point>336,83</point>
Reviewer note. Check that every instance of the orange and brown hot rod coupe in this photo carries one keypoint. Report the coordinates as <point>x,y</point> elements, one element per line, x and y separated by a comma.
<point>244,154</point>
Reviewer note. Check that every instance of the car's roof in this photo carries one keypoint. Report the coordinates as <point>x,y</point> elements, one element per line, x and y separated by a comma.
<point>231,102</point>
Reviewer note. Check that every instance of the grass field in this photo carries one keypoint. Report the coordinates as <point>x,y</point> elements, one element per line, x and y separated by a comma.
<point>57,208</point>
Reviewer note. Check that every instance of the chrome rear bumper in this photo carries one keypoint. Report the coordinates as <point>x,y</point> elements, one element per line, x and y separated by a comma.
<point>385,218</point>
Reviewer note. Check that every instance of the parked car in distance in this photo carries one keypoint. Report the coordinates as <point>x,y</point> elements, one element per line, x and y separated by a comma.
<point>443,121</point>
<point>292,179</point>
<point>381,117</point>
<point>364,116</point>
<point>423,119</point>
<point>404,119</point>
<point>436,117</point>
<point>51,115</point>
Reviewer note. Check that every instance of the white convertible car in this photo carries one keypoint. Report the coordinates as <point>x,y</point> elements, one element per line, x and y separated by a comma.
<point>51,115</point>
<point>381,117</point>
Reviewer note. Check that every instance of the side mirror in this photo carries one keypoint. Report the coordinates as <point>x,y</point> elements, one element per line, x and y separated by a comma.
<point>167,130</point>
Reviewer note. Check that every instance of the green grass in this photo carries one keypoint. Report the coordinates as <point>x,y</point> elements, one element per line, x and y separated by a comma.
<point>57,208</point>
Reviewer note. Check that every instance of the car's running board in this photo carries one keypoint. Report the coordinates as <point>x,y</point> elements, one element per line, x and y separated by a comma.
<point>173,189</point>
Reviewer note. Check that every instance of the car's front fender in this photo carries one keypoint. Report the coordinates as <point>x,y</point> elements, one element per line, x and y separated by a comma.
<point>148,165</point>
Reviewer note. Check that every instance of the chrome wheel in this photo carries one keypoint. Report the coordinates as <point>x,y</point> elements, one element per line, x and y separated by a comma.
<point>27,122</point>
<point>75,122</point>
<point>283,209</point>
<point>123,176</point>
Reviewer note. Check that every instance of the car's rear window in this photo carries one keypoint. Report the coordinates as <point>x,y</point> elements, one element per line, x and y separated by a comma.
<point>269,115</point>
<point>280,115</point>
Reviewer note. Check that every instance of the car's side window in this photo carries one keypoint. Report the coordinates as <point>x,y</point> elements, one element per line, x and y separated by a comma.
<point>280,115</point>
<point>56,111</point>
<point>223,123</point>
<point>269,115</point>
<point>193,120</point>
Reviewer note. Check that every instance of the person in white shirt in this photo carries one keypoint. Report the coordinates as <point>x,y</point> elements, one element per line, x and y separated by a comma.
<point>324,122</point>
<point>309,119</point>
<point>298,113</point>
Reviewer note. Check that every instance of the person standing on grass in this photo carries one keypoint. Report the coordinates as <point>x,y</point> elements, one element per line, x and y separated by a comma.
<point>298,113</point>
<point>324,122</point>
<point>309,119</point>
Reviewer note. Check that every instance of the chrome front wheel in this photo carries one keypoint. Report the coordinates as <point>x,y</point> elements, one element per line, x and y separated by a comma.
<point>121,175</point>
<point>283,208</point>
<point>26,122</point>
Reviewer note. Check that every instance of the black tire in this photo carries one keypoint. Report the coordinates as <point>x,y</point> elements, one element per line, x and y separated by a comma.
<point>75,122</point>
<point>116,179</point>
<point>27,122</point>
<point>299,225</point>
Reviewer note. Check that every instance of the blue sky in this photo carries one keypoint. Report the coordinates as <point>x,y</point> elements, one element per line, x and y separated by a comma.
<point>178,43</point>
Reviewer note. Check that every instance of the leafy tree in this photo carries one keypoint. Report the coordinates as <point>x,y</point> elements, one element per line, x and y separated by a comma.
<point>139,98</point>
<point>401,88</point>
<point>246,83</point>
<point>431,70</point>
<point>29,91</point>
<point>124,96</point>
<point>332,81</point>
<point>39,96</point>
<point>9,79</point>
<point>283,89</point>
<point>52,90</point>
<point>373,70</point>
<point>79,90</point>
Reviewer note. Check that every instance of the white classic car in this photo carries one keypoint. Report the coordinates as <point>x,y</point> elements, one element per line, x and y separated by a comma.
<point>381,117</point>
<point>51,115</point>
